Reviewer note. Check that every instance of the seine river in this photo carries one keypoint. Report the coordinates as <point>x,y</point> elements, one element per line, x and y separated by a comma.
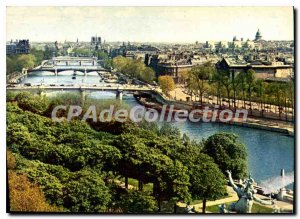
<point>268,152</point>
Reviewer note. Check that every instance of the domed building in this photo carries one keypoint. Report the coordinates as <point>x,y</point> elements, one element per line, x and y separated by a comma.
<point>258,36</point>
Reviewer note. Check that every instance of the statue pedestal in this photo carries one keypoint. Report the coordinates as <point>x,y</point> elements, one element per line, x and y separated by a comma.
<point>281,194</point>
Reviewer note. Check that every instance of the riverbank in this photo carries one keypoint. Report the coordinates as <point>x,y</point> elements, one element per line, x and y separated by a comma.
<point>265,124</point>
<point>180,94</point>
<point>280,126</point>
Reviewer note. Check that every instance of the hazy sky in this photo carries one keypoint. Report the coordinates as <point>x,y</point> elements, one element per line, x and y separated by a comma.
<point>148,24</point>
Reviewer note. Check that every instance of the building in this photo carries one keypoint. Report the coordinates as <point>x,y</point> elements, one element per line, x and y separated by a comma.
<point>236,44</point>
<point>18,47</point>
<point>177,69</point>
<point>258,36</point>
<point>96,42</point>
<point>263,70</point>
<point>134,51</point>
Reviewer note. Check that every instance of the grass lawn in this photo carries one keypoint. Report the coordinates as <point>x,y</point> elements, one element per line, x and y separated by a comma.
<point>195,202</point>
<point>135,183</point>
<point>256,208</point>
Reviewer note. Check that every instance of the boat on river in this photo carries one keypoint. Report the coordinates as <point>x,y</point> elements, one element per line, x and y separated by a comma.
<point>149,104</point>
<point>110,81</point>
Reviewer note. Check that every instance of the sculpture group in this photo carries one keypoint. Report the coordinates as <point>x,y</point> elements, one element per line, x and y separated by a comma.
<point>246,194</point>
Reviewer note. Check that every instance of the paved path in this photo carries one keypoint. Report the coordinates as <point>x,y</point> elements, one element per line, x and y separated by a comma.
<point>279,204</point>
<point>122,185</point>
<point>258,122</point>
<point>232,197</point>
<point>179,93</point>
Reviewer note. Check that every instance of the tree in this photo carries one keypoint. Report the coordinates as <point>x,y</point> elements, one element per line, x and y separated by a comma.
<point>216,85</point>
<point>260,89</point>
<point>241,78</point>
<point>75,164</point>
<point>198,77</point>
<point>26,196</point>
<point>86,192</point>
<point>38,54</point>
<point>207,181</point>
<point>228,153</point>
<point>147,75</point>
<point>168,130</point>
<point>274,89</point>
<point>10,65</point>
<point>133,68</point>
<point>101,55</point>
<point>26,61</point>
<point>11,160</point>
<point>137,202</point>
<point>18,62</point>
<point>33,103</point>
<point>166,83</point>
<point>250,81</point>
<point>119,63</point>
<point>23,194</point>
<point>48,53</point>
<point>17,136</point>
<point>183,76</point>
<point>223,78</point>
<point>81,51</point>
<point>290,86</point>
<point>234,87</point>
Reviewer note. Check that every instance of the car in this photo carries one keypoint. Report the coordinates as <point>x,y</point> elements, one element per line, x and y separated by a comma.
<point>52,85</point>
<point>62,85</point>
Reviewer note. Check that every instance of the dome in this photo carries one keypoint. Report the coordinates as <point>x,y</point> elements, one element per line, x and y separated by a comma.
<point>258,36</point>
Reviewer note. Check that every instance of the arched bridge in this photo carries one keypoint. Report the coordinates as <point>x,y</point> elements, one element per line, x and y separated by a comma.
<point>65,63</point>
<point>84,89</point>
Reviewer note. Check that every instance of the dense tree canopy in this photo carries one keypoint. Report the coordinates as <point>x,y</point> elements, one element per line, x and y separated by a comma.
<point>103,56</point>
<point>18,62</point>
<point>228,153</point>
<point>78,167</point>
<point>233,87</point>
<point>15,63</point>
<point>23,194</point>
<point>133,68</point>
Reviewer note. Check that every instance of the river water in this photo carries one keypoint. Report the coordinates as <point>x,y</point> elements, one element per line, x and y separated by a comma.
<point>268,152</point>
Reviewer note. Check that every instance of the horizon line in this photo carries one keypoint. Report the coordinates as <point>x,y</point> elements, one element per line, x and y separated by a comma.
<point>126,41</point>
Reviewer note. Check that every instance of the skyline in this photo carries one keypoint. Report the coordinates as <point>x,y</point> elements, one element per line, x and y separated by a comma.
<point>148,24</point>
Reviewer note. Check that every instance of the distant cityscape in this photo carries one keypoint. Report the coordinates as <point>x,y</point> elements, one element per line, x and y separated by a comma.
<point>186,126</point>
<point>271,60</point>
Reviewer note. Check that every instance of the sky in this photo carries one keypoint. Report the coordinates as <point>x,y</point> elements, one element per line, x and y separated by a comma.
<point>148,24</point>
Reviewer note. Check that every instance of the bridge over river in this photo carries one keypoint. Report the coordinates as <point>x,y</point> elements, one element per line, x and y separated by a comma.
<point>84,89</point>
<point>66,63</point>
